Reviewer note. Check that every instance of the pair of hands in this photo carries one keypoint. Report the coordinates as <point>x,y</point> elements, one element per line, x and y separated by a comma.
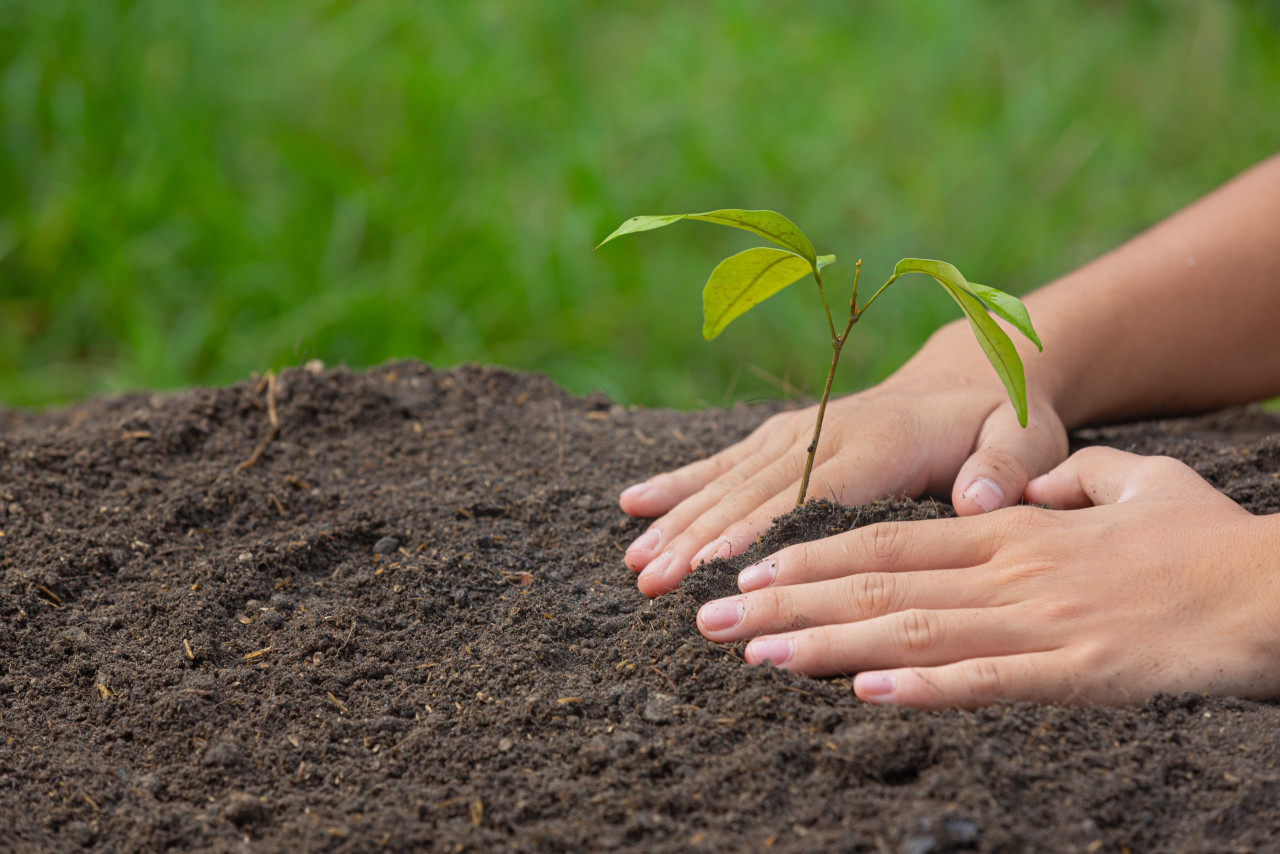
<point>1144,578</point>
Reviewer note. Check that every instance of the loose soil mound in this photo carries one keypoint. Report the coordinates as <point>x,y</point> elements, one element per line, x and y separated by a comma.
<point>401,619</point>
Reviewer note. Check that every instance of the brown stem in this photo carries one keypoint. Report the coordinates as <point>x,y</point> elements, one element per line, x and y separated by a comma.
<point>837,344</point>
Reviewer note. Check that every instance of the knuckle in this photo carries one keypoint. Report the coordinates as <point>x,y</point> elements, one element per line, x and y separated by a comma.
<point>1029,570</point>
<point>883,541</point>
<point>778,609</point>
<point>1057,610</point>
<point>1096,454</point>
<point>1095,657</point>
<point>1003,463</point>
<point>984,678</point>
<point>871,594</point>
<point>1023,520</point>
<point>821,644</point>
<point>1164,465</point>
<point>795,563</point>
<point>918,631</point>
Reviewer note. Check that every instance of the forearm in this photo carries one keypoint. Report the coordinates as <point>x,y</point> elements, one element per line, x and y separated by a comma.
<point>1185,317</point>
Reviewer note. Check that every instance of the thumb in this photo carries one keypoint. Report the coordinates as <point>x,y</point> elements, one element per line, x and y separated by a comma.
<point>1007,456</point>
<point>1106,476</point>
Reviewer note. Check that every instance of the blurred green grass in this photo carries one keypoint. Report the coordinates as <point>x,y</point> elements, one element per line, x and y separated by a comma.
<point>194,191</point>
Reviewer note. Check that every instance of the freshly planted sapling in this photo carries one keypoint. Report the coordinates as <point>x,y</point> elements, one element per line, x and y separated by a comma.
<point>748,278</point>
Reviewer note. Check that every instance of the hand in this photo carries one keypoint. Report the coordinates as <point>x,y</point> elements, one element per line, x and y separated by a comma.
<point>1161,584</point>
<point>942,425</point>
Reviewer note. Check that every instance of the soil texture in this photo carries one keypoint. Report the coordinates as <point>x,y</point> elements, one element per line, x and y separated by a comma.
<point>350,611</point>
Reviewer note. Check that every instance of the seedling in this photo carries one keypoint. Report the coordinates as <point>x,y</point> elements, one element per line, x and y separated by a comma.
<point>749,278</point>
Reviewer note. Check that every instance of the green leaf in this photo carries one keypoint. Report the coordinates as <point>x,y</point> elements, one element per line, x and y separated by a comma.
<point>825,261</point>
<point>1010,308</point>
<point>993,340</point>
<point>744,280</point>
<point>769,225</point>
<point>641,223</point>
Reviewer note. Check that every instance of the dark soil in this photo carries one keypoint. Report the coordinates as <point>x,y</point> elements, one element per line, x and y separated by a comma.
<point>407,624</point>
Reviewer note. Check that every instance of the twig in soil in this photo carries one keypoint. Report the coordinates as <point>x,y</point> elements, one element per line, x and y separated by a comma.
<point>257,653</point>
<point>257,452</point>
<point>55,599</point>
<point>337,703</point>
<point>187,646</point>
<point>272,416</point>
<point>276,501</point>
<point>664,676</point>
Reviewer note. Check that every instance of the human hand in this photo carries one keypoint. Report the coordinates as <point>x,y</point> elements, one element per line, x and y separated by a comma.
<point>942,425</point>
<point>1160,584</point>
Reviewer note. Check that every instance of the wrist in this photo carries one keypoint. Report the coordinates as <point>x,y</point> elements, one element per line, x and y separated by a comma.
<point>953,351</point>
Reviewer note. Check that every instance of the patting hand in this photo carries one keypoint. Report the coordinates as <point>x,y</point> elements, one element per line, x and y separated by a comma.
<point>930,429</point>
<point>1147,580</point>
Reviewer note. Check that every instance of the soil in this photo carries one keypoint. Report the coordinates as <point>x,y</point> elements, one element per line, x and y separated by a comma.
<point>400,619</point>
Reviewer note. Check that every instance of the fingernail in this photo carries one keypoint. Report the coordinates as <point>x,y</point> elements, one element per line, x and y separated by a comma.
<point>986,492</point>
<point>712,550</point>
<point>875,687</point>
<point>656,566</point>
<point>646,542</point>
<point>636,491</point>
<point>775,651</point>
<point>720,615</point>
<point>758,575</point>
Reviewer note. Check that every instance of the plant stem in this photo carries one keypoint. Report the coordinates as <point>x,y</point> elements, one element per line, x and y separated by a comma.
<point>892,279</point>
<point>837,344</point>
<point>817,277</point>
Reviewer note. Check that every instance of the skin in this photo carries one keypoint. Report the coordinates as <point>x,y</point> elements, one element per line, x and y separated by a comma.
<point>1142,579</point>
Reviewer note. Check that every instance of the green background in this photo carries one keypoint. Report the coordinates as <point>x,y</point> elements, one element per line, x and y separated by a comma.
<point>193,191</point>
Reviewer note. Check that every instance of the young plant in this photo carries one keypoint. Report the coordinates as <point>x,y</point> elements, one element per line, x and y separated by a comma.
<point>748,278</point>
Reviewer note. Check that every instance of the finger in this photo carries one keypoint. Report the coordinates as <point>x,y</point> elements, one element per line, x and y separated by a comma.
<point>829,480</point>
<point>661,533</point>
<point>1007,456</point>
<point>915,637</point>
<point>697,538</point>
<point>1045,677</point>
<point>660,493</point>
<point>705,534</point>
<point>1106,476</point>
<point>880,547</point>
<point>851,599</point>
